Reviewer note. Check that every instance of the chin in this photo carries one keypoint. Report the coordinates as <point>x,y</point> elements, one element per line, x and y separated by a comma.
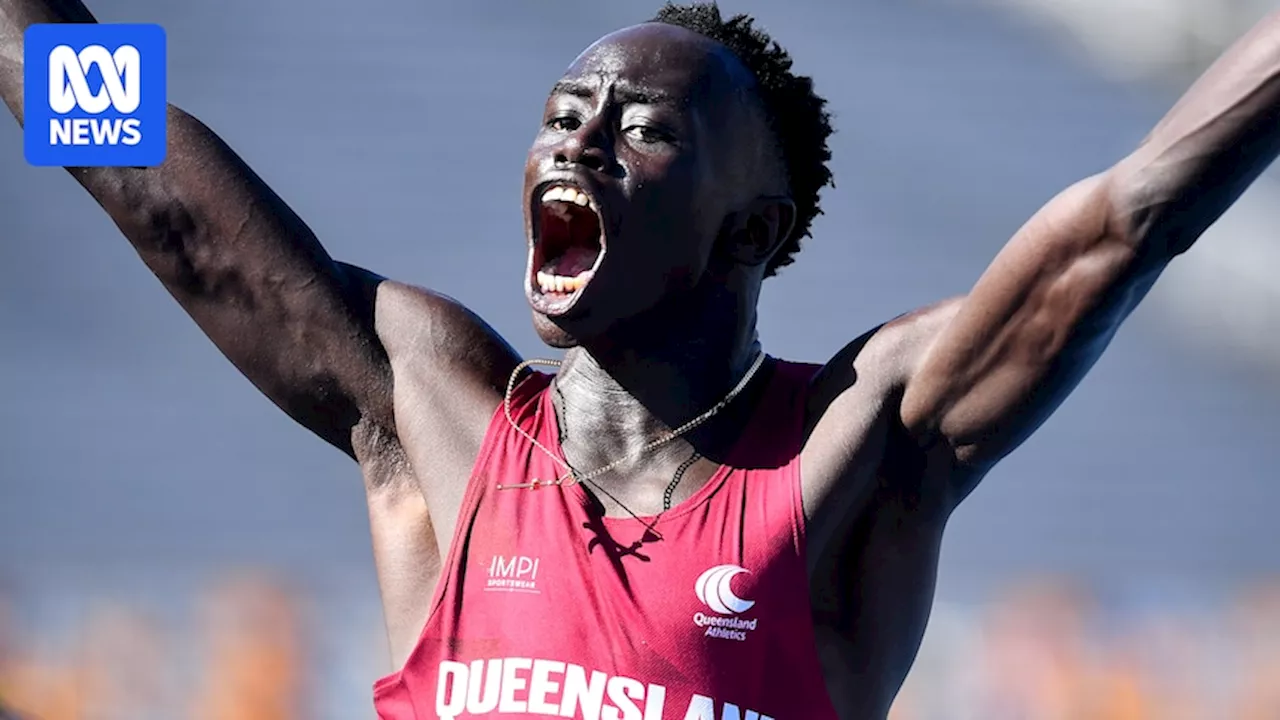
<point>552,334</point>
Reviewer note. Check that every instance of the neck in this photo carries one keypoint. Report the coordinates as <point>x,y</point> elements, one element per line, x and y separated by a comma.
<point>612,398</point>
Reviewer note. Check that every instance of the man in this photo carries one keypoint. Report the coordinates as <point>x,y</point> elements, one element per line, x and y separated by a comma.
<point>674,526</point>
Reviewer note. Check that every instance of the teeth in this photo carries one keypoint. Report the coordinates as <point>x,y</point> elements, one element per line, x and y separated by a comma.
<point>566,194</point>
<point>549,283</point>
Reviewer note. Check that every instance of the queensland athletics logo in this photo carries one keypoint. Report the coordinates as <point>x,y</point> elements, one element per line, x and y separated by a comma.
<point>94,95</point>
<point>715,590</point>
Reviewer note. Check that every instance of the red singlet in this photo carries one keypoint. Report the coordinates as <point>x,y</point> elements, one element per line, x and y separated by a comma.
<point>546,609</point>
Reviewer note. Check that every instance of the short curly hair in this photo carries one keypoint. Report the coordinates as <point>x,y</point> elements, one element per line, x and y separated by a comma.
<point>798,117</point>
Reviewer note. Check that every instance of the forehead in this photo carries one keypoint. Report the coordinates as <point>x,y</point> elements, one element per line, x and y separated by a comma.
<point>671,61</point>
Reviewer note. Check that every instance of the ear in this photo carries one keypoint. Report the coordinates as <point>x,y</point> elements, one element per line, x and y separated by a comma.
<point>756,232</point>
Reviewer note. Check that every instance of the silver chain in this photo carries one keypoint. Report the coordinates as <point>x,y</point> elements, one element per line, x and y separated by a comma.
<point>572,476</point>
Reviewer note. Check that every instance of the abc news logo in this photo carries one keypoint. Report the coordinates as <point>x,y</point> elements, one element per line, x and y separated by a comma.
<point>96,95</point>
<point>69,90</point>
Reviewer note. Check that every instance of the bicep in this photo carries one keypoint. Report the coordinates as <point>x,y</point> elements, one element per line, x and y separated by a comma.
<point>1029,330</point>
<point>254,278</point>
<point>1050,303</point>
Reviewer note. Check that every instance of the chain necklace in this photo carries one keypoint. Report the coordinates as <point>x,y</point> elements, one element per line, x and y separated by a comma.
<point>572,476</point>
<point>676,478</point>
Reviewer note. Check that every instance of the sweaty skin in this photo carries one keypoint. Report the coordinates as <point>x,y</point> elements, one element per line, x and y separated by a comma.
<point>659,127</point>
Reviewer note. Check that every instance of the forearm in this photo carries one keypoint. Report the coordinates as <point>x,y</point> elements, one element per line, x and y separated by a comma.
<point>15,17</point>
<point>1207,150</point>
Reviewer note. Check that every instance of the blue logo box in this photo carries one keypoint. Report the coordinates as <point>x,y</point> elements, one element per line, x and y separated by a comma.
<point>94,95</point>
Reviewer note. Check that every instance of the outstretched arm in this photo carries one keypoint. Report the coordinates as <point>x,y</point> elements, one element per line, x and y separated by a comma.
<point>298,324</point>
<point>1049,304</point>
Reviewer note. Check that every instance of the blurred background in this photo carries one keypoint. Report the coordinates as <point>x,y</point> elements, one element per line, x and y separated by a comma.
<point>171,546</point>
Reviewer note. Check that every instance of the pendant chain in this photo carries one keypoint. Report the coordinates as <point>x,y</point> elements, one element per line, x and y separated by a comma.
<point>572,476</point>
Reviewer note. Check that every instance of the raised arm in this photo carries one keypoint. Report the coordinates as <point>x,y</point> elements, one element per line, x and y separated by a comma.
<point>1049,304</point>
<point>298,324</point>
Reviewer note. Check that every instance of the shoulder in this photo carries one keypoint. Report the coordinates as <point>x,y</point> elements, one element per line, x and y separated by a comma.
<point>420,325</point>
<point>886,355</point>
<point>903,341</point>
<point>447,364</point>
<point>856,396</point>
<point>407,315</point>
<point>852,410</point>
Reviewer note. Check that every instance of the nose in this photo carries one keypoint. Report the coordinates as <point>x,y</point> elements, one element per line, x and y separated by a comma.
<point>589,146</point>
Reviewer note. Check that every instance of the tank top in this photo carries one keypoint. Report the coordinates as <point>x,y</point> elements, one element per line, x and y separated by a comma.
<point>545,608</point>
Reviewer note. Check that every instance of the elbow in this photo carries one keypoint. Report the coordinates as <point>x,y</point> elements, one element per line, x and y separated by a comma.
<point>146,203</point>
<point>1146,210</point>
<point>162,231</point>
<point>172,242</point>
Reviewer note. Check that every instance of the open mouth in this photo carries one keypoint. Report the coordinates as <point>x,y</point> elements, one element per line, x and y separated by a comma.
<point>567,246</point>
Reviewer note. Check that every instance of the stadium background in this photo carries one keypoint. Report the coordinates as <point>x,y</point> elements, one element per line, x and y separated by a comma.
<point>171,546</point>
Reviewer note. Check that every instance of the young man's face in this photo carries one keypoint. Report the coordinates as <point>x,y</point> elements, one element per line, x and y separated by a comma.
<point>646,147</point>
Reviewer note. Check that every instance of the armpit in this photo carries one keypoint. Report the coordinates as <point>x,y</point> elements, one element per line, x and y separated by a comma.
<point>382,459</point>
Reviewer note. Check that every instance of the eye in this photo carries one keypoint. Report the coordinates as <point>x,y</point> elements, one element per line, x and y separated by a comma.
<point>564,123</point>
<point>648,135</point>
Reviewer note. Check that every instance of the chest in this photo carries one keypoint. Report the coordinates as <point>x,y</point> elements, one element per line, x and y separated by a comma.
<point>705,606</point>
<point>718,562</point>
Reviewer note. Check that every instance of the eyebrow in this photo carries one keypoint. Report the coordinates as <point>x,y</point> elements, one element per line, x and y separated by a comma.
<point>623,91</point>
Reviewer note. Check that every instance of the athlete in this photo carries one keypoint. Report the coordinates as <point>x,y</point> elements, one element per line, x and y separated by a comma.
<point>674,524</point>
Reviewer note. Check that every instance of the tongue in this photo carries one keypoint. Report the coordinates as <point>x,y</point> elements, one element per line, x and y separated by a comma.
<point>574,261</point>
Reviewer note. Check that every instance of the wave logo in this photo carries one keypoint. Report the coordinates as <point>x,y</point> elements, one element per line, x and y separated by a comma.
<point>105,103</point>
<point>714,589</point>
